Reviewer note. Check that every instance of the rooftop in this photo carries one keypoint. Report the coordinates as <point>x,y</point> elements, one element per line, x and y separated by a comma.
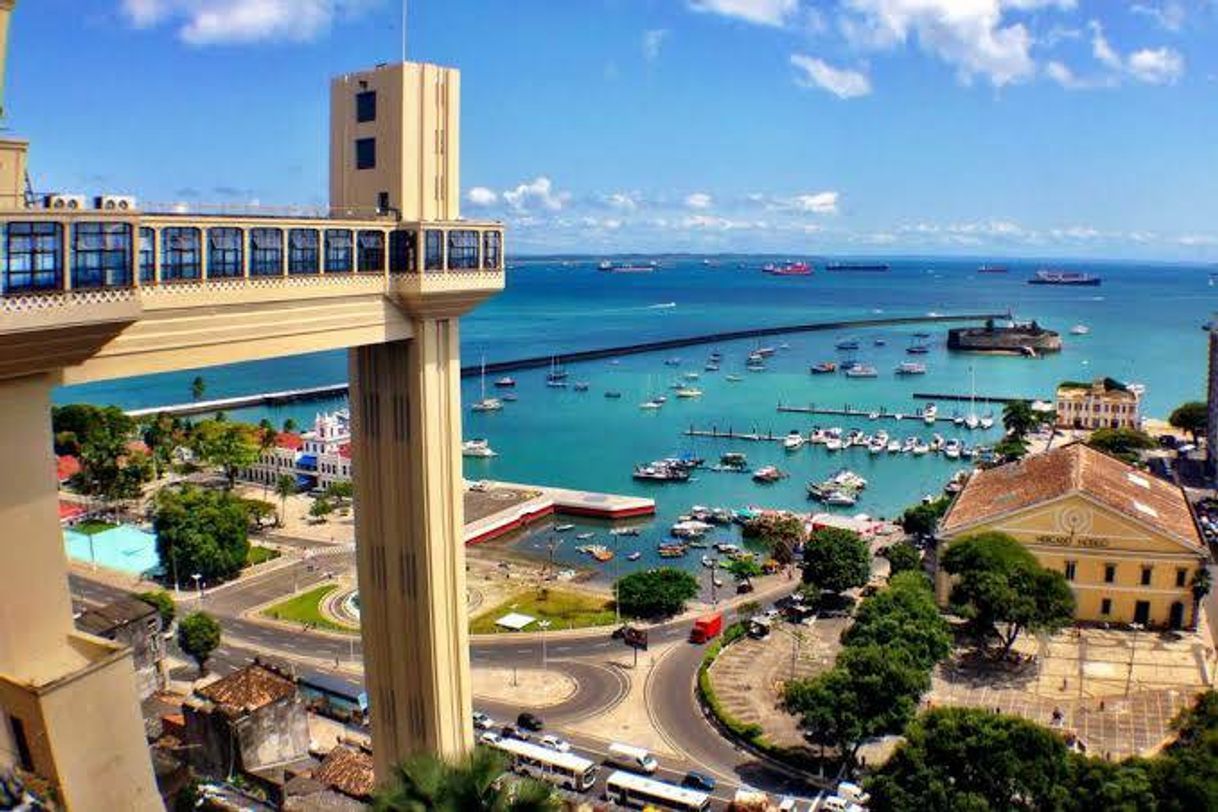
<point>1074,468</point>
<point>347,770</point>
<point>253,687</point>
<point>103,620</point>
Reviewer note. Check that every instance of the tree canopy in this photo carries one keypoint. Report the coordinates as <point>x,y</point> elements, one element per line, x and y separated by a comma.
<point>425,783</point>
<point>1122,443</point>
<point>902,557</point>
<point>660,592</point>
<point>198,637</point>
<point>228,446</point>
<point>201,531</point>
<point>998,583</point>
<point>163,602</point>
<point>779,533</point>
<point>110,466</point>
<point>923,518</point>
<point>742,569</point>
<point>903,615</point>
<point>1019,418</point>
<point>836,560</point>
<point>1192,417</point>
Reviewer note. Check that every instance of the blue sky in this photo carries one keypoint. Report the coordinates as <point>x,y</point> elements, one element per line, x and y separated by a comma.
<point>985,127</point>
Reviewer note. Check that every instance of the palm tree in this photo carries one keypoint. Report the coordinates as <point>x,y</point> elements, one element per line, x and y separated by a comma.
<point>267,436</point>
<point>1019,418</point>
<point>473,784</point>
<point>1201,585</point>
<point>197,387</point>
<point>285,486</point>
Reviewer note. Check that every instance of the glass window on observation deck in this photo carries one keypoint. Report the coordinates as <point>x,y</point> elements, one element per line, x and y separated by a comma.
<point>433,250</point>
<point>224,253</point>
<point>403,251</point>
<point>33,257</point>
<point>371,251</point>
<point>101,255</point>
<point>147,256</point>
<point>492,247</point>
<point>181,257</point>
<point>338,251</point>
<point>462,250</point>
<point>304,255</point>
<point>266,251</point>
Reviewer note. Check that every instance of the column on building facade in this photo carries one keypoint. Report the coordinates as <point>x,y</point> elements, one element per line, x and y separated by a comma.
<point>406,430</point>
<point>69,710</point>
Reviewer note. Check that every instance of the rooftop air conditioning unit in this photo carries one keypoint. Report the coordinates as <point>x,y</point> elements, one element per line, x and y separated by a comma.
<point>65,201</point>
<point>114,202</point>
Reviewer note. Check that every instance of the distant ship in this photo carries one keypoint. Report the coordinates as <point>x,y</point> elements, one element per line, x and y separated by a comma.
<point>1064,278</point>
<point>992,269</point>
<point>857,266</point>
<point>789,269</point>
<point>627,267</point>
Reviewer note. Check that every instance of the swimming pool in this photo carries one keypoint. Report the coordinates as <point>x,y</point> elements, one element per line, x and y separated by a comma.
<point>124,548</point>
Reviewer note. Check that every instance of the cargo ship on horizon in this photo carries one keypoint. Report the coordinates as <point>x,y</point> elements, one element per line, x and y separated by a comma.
<point>857,266</point>
<point>1049,277</point>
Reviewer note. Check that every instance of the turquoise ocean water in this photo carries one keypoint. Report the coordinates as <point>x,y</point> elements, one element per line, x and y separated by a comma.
<point>1145,326</point>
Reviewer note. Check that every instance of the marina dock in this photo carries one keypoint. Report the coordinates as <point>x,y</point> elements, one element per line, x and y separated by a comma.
<point>849,411</point>
<point>536,502</point>
<point>340,389</point>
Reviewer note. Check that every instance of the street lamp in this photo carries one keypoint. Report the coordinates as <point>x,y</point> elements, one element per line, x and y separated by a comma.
<point>1133,650</point>
<point>198,585</point>
<point>543,625</point>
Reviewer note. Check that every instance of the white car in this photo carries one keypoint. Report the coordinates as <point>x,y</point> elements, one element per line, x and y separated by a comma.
<point>554,743</point>
<point>487,737</point>
<point>483,722</point>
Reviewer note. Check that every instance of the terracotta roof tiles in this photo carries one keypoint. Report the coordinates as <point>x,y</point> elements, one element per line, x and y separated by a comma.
<point>347,770</point>
<point>249,689</point>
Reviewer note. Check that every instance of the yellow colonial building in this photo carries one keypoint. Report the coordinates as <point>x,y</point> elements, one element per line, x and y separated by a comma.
<point>1126,541</point>
<point>1102,404</point>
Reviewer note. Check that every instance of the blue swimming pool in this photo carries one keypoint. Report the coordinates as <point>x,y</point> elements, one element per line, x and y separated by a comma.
<point>123,548</point>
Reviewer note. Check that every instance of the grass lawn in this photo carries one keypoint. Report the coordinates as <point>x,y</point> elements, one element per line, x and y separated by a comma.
<point>259,555</point>
<point>91,527</point>
<point>564,610</point>
<point>306,608</point>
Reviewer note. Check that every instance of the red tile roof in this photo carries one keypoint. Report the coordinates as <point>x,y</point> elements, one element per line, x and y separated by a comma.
<point>1074,468</point>
<point>66,466</point>
<point>289,440</point>
<point>70,510</point>
<point>347,770</point>
<point>249,689</point>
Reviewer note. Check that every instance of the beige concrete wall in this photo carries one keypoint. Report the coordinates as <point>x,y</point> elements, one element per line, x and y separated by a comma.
<point>418,141</point>
<point>13,157</point>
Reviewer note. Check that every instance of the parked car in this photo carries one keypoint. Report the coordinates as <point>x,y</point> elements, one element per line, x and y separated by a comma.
<point>554,743</point>
<point>510,732</point>
<point>482,721</point>
<point>529,721</point>
<point>699,781</point>
<point>489,737</point>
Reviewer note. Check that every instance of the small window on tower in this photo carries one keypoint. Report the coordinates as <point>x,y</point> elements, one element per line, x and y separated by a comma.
<point>365,106</point>
<point>365,153</point>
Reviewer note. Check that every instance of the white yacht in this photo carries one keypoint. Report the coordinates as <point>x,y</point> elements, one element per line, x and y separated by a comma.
<point>930,414</point>
<point>478,447</point>
<point>987,421</point>
<point>1080,330</point>
<point>486,404</point>
<point>689,392</point>
<point>894,446</point>
<point>793,441</point>
<point>650,404</point>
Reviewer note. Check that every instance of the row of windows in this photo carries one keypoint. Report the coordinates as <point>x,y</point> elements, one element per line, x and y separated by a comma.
<point>1110,574</point>
<point>1113,408</point>
<point>101,253</point>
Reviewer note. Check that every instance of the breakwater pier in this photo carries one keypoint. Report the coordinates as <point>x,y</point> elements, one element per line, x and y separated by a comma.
<point>340,389</point>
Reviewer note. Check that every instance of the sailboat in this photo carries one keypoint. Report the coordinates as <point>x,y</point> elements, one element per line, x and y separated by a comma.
<point>486,404</point>
<point>557,376</point>
<point>652,402</point>
<point>971,421</point>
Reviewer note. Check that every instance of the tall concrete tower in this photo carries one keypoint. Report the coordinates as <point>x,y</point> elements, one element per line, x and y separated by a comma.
<point>1211,389</point>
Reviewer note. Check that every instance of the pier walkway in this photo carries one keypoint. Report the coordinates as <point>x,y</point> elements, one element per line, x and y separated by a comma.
<point>525,504</point>
<point>340,389</point>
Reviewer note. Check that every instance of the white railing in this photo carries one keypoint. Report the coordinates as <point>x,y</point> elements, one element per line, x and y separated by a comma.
<point>35,302</point>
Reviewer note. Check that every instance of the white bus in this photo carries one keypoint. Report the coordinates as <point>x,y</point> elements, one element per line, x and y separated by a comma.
<point>564,769</point>
<point>632,789</point>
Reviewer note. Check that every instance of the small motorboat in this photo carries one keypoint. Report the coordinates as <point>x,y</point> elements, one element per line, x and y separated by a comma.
<point>689,392</point>
<point>478,447</point>
<point>562,528</point>
<point>584,536</point>
<point>505,382</point>
<point>911,368</point>
<point>862,371</point>
<point>650,405</point>
<point>823,368</point>
<point>793,441</point>
<point>733,378</point>
<point>673,362</point>
<point>930,414</point>
<point>613,394</point>
<point>1080,330</point>
<point>635,556</point>
<point>581,386</point>
<point>767,474</point>
<point>509,397</point>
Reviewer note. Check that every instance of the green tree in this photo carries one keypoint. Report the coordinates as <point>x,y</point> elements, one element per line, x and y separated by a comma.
<point>110,467</point>
<point>289,426</point>
<point>903,557</point>
<point>321,508</point>
<point>923,518</point>
<point>748,609</point>
<point>161,433</point>
<point>975,760</point>
<point>1011,448</point>
<point>660,592</point>
<point>229,446</point>
<point>1201,584</point>
<point>198,637</point>
<point>1121,443</point>
<point>197,388</point>
<point>267,438</point>
<point>201,531</point>
<point>1192,417</point>
<point>871,692</point>
<point>904,616</point>
<point>743,569</point>
<point>1019,418</point>
<point>836,560</point>
<point>998,583</point>
<point>162,601</point>
<point>340,490</point>
<point>779,533</point>
<point>1186,775</point>
<point>1124,786</point>
<point>285,486</point>
<point>258,513</point>
<point>425,782</point>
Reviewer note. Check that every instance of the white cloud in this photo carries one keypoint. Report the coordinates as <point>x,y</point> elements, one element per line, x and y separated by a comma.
<point>540,191</point>
<point>482,196</point>
<point>208,22</point>
<point>818,203</point>
<point>841,82</point>
<point>1197,240</point>
<point>1102,50</point>
<point>1169,15</point>
<point>653,41</point>
<point>1157,66</point>
<point>974,36</point>
<point>623,201</point>
<point>759,12</point>
<point>698,200</point>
